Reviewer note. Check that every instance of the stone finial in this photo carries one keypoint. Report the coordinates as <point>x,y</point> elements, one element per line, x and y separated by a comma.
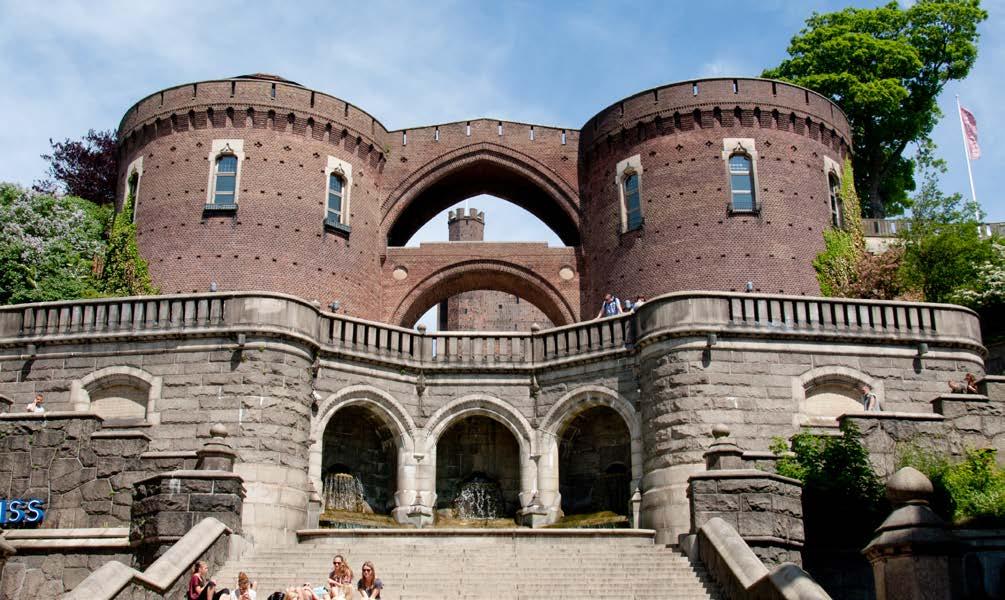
<point>422,329</point>
<point>723,453</point>
<point>217,454</point>
<point>534,328</point>
<point>908,486</point>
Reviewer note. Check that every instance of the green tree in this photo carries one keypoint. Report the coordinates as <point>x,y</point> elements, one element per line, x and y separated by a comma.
<point>885,67</point>
<point>49,246</point>
<point>943,250</point>
<point>125,272</point>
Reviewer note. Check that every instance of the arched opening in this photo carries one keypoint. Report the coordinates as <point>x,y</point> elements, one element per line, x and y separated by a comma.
<point>359,464</point>
<point>471,172</point>
<point>119,401</point>
<point>471,276</point>
<point>477,470</point>
<point>595,458</point>
<point>120,395</point>
<point>487,219</point>
<point>829,398</point>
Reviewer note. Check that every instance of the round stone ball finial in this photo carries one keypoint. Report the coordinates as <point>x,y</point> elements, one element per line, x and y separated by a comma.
<point>908,486</point>
<point>218,431</point>
<point>720,430</point>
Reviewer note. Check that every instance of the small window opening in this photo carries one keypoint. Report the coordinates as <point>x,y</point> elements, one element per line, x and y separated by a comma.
<point>404,138</point>
<point>563,137</point>
<point>467,129</point>
<point>226,179</point>
<point>741,182</point>
<point>532,133</point>
<point>694,89</point>
<point>774,88</point>
<point>500,129</point>
<point>736,88</point>
<point>233,88</point>
<point>312,99</point>
<point>837,218</point>
<point>633,206</point>
<point>436,134</point>
<point>273,92</point>
<point>335,195</point>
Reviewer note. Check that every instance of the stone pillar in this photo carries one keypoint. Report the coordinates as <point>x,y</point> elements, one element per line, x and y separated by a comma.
<point>409,501</point>
<point>548,494</point>
<point>764,508</point>
<point>167,505</point>
<point>911,553</point>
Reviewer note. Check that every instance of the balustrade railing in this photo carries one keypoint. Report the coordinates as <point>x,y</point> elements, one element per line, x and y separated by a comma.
<point>680,314</point>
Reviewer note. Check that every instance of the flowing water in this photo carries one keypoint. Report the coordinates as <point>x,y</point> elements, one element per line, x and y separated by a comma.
<point>343,491</point>
<point>479,498</point>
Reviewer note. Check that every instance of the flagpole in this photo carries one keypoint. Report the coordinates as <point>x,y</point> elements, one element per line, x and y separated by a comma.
<point>966,152</point>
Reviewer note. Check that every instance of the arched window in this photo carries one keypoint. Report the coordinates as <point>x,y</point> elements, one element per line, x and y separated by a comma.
<point>134,182</point>
<point>741,182</point>
<point>837,214</point>
<point>633,205</point>
<point>225,188</point>
<point>336,185</point>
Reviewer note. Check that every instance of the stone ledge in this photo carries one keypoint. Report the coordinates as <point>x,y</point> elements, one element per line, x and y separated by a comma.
<point>119,434</point>
<point>65,545</point>
<point>190,474</point>
<point>893,416</point>
<point>49,416</point>
<point>161,454</point>
<point>75,533</point>
<point>745,474</point>
<point>509,532</point>
<point>770,540</point>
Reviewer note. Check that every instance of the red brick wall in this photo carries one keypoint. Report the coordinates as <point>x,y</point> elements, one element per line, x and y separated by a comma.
<point>277,242</point>
<point>484,310</point>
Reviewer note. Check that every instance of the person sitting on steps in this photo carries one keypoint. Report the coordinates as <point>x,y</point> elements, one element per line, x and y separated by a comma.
<point>369,586</point>
<point>340,579</point>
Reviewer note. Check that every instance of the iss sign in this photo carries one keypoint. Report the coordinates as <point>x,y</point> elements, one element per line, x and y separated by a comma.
<point>17,511</point>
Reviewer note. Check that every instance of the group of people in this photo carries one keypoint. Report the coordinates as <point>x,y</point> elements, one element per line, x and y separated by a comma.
<point>612,305</point>
<point>339,587</point>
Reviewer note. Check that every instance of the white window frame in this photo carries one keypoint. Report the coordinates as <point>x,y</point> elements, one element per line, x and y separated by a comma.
<point>745,146</point>
<point>629,166</point>
<point>831,167</point>
<point>343,169</point>
<point>218,149</point>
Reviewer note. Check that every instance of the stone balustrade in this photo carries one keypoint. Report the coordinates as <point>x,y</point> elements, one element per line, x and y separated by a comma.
<point>246,315</point>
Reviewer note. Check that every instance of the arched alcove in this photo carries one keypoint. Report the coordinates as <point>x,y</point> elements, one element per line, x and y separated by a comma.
<point>118,394</point>
<point>359,453</point>
<point>595,458</point>
<point>478,465</point>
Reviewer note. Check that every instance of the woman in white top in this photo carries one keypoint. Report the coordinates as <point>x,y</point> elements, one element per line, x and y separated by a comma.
<point>245,588</point>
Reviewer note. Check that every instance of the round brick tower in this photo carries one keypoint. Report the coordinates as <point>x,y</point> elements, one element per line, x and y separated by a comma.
<point>274,233</point>
<point>691,229</point>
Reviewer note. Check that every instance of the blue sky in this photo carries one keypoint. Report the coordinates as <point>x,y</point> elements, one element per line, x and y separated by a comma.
<point>68,66</point>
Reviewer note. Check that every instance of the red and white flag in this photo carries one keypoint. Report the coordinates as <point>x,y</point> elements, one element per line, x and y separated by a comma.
<point>970,133</point>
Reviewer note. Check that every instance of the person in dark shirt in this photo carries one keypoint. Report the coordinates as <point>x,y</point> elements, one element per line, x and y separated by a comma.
<point>369,586</point>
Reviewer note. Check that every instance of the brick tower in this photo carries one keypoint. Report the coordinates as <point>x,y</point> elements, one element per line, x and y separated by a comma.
<point>483,310</point>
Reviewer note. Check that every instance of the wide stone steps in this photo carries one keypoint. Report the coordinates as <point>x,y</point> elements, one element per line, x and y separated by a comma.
<point>497,565</point>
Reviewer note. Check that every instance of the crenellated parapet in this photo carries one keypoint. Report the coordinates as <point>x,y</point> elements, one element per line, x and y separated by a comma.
<point>720,103</point>
<point>250,102</point>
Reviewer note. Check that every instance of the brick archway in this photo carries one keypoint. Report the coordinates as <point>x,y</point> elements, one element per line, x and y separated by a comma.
<point>471,275</point>
<point>481,168</point>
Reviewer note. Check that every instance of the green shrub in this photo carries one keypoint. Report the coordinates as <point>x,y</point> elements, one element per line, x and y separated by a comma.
<point>843,498</point>
<point>967,492</point>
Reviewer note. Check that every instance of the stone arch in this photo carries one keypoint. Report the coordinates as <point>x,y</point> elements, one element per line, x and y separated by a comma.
<point>117,388</point>
<point>380,403</point>
<point>824,393</point>
<point>479,436</point>
<point>476,169</point>
<point>575,403</point>
<point>486,406</point>
<point>474,275</point>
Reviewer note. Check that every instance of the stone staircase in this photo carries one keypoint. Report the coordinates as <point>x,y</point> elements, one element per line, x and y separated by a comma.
<point>432,564</point>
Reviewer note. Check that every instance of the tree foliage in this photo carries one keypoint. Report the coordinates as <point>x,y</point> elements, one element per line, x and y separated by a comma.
<point>48,246</point>
<point>844,498</point>
<point>844,248</point>
<point>987,288</point>
<point>87,168</point>
<point>943,250</point>
<point>885,67</point>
